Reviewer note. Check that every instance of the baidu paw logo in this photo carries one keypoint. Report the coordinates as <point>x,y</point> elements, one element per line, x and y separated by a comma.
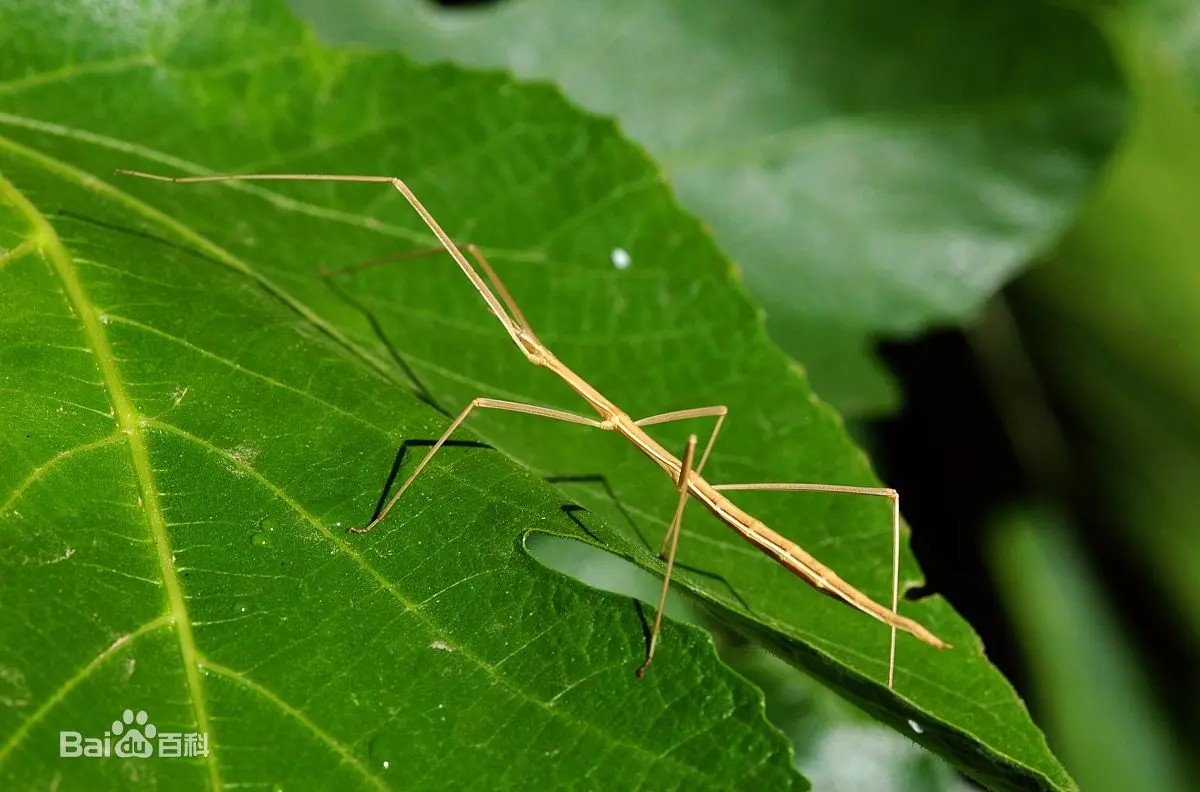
<point>134,734</point>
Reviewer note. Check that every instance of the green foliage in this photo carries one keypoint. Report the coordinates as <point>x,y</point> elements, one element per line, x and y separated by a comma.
<point>873,167</point>
<point>1114,315</point>
<point>187,432</point>
<point>1122,290</point>
<point>192,417</point>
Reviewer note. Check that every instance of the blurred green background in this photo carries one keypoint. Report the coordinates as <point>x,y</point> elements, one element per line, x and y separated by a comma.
<point>1035,396</point>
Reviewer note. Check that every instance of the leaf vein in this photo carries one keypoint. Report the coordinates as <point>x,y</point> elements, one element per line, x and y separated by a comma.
<point>342,751</point>
<point>238,367</point>
<point>128,420</point>
<point>55,698</point>
<point>41,470</point>
<point>353,553</point>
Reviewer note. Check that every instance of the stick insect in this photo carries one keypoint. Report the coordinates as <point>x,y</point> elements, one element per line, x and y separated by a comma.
<point>684,472</point>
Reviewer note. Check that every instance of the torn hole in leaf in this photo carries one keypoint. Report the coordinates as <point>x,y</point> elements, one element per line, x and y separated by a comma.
<point>601,569</point>
<point>575,512</point>
<point>915,592</point>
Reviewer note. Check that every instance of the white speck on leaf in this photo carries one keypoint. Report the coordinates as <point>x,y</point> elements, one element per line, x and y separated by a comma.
<point>912,724</point>
<point>620,258</point>
<point>445,647</point>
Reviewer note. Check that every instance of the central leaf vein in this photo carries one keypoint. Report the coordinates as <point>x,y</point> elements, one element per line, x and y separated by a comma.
<point>129,423</point>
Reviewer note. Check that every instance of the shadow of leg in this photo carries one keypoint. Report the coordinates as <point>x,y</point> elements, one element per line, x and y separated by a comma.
<point>574,510</point>
<point>390,481</point>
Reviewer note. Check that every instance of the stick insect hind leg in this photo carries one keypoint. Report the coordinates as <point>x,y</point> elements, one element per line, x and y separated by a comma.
<point>671,538</point>
<point>882,492</point>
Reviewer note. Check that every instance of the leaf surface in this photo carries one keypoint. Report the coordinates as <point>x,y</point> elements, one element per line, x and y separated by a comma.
<point>193,417</point>
<point>874,168</point>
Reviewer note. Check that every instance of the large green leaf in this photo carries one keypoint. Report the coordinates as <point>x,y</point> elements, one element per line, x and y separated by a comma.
<point>192,416</point>
<point>873,167</point>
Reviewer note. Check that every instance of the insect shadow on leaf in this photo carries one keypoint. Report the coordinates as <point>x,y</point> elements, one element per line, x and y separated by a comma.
<point>136,232</point>
<point>372,320</point>
<point>390,481</point>
<point>573,510</point>
<point>418,387</point>
<point>919,592</point>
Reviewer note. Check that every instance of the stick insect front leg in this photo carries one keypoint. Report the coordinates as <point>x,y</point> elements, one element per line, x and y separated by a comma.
<point>882,492</point>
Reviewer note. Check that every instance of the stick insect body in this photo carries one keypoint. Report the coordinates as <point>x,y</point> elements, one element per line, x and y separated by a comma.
<point>687,479</point>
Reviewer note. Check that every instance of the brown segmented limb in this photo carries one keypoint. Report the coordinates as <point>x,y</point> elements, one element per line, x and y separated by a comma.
<point>671,539</point>
<point>719,412</point>
<point>691,482</point>
<point>792,555</point>
<point>494,404</point>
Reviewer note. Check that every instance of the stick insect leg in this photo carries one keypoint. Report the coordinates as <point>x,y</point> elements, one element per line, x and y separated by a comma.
<point>469,248</point>
<point>720,411</point>
<point>518,332</point>
<point>881,492</point>
<point>685,472</point>
<point>494,404</point>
